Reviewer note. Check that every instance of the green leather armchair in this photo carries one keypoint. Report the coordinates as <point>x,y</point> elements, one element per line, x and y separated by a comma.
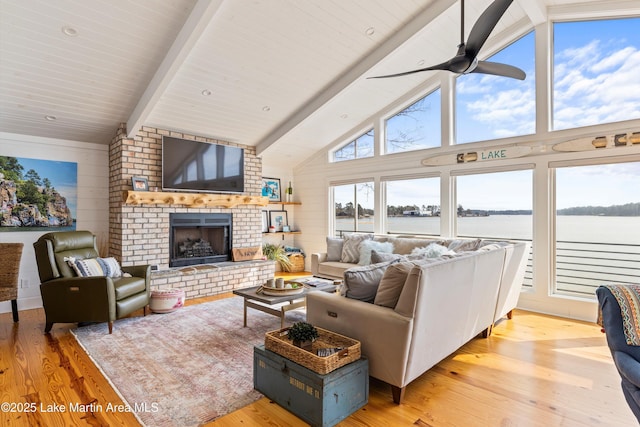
<point>68,298</point>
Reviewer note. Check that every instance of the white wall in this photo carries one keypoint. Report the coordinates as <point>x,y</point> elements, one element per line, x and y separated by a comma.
<point>93,200</point>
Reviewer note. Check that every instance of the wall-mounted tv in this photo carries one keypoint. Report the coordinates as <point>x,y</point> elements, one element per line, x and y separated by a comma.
<point>201,167</point>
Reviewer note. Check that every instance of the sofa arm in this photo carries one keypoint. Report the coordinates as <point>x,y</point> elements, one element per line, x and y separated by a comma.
<point>384,335</point>
<point>316,259</point>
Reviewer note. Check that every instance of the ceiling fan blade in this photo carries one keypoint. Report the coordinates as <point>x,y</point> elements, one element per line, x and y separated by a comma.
<point>485,25</point>
<point>497,69</point>
<point>443,66</point>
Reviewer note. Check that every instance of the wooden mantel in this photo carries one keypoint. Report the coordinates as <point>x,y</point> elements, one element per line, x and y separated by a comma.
<point>194,200</point>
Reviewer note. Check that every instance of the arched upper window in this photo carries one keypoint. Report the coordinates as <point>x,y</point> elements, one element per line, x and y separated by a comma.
<point>492,107</point>
<point>416,127</point>
<point>595,72</point>
<point>359,148</point>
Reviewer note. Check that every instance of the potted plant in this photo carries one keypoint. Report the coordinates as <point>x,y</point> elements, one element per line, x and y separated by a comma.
<point>302,334</point>
<point>278,254</point>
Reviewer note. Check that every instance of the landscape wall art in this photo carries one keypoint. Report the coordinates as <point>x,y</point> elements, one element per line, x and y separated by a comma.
<point>37,195</point>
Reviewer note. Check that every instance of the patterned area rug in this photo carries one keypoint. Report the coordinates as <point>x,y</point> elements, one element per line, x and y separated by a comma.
<point>184,368</point>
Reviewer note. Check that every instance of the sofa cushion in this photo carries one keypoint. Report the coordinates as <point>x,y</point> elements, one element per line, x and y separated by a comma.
<point>377,257</point>
<point>361,283</point>
<point>392,283</point>
<point>333,268</point>
<point>334,248</point>
<point>351,247</point>
<point>406,305</point>
<point>367,246</point>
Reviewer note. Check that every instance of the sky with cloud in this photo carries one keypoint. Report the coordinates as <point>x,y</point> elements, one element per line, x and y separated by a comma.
<point>596,80</point>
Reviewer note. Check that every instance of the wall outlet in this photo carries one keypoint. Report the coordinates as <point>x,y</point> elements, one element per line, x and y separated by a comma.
<point>24,283</point>
<point>154,267</point>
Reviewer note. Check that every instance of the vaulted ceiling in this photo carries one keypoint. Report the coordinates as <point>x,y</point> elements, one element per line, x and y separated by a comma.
<point>286,76</point>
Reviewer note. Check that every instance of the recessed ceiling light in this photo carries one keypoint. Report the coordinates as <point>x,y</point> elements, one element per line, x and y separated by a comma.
<point>50,117</point>
<point>344,116</point>
<point>421,63</point>
<point>266,108</point>
<point>69,31</point>
<point>206,92</point>
<point>370,31</point>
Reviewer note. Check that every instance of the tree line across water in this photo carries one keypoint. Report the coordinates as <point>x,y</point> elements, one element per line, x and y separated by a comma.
<point>628,209</point>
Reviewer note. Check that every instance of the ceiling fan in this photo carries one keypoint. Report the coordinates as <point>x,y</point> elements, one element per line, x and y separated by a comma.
<point>466,60</point>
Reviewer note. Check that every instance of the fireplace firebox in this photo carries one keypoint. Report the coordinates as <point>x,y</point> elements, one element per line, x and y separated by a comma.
<point>199,238</point>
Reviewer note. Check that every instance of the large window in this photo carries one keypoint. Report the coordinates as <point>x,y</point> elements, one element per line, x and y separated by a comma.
<point>597,227</point>
<point>413,206</point>
<point>491,107</point>
<point>416,127</point>
<point>595,72</point>
<point>359,148</point>
<point>354,207</point>
<point>495,205</point>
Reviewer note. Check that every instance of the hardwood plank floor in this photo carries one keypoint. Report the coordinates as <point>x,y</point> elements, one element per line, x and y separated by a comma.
<point>534,370</point>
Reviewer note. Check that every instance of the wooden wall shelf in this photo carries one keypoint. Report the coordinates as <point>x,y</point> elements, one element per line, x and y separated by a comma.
<point>284,203</point>
<point>194,200</point>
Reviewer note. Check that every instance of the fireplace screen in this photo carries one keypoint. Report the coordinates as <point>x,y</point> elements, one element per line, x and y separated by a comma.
<point>199,239</point>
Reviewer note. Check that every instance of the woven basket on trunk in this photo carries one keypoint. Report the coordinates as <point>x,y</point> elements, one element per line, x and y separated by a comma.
<point>278,342</point>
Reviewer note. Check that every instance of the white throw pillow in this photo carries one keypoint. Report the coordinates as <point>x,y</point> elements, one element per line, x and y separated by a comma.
<point>367,246</point>
<point>433,250</point>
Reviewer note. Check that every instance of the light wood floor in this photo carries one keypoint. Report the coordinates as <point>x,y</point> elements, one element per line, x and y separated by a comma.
<point>535,370</point>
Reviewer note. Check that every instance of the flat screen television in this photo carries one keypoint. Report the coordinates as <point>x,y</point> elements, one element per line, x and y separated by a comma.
<point>201,167</point>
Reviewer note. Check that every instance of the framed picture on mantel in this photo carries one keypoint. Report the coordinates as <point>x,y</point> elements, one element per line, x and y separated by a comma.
<point>271,189</point>
<point>139,183</point>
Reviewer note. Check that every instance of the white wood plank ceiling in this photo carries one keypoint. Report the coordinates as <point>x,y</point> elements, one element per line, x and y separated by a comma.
<point>287,76</point>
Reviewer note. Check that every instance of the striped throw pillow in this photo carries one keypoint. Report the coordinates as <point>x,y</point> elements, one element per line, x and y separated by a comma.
<point>86,267</point>
<point>110,266</point>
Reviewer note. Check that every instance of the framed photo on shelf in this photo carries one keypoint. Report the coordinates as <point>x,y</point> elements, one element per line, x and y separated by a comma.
<point>139,183</point>
<point>271,189</point>
<point>278,219</point>
<point>265,221</point>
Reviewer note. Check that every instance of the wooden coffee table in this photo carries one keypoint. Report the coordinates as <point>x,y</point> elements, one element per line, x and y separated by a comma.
<point>267,303</point>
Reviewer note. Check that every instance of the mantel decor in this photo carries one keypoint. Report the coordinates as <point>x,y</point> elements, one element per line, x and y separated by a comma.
<point>196,200</point>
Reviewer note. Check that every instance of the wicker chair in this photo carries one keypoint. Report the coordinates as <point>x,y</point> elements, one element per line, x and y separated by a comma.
<point>10,254</point>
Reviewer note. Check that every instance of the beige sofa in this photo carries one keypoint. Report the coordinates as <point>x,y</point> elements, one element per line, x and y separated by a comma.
<point>333,266</point>
<point>443,303</point>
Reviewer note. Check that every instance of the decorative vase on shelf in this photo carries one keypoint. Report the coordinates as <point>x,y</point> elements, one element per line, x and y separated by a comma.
<point>289,193</point>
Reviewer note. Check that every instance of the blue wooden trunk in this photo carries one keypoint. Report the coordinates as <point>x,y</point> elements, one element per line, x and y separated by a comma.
<point>320,400</point>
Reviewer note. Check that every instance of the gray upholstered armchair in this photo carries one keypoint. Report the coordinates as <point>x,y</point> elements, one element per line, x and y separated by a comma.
<point>92,289</point>
<point>626,357</point>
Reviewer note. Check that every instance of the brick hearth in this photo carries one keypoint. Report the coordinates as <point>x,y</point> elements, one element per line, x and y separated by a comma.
<point>139,234</point>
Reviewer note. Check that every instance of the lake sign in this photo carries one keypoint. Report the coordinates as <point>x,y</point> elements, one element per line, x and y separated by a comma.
<point>478,156</point>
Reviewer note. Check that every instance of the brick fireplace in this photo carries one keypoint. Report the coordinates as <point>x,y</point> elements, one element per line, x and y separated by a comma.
<point>140,234</point>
